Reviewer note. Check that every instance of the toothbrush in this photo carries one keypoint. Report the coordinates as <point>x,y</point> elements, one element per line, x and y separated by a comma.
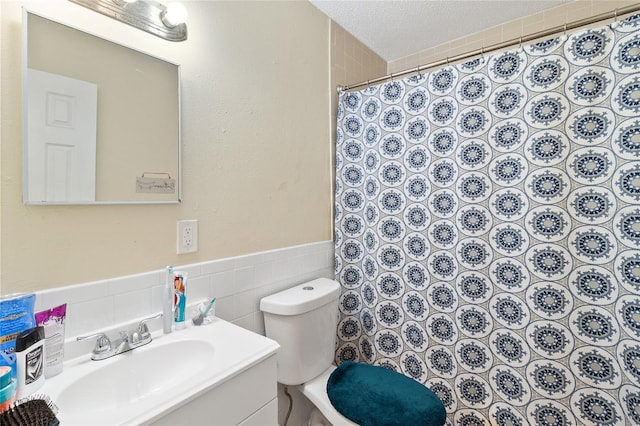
<point>199,319</point>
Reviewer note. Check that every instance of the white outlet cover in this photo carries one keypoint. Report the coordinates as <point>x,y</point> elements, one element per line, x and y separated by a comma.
<point>187,236</point>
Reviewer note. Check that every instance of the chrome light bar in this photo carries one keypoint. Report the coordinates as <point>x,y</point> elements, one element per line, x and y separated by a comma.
<point>146,15</point>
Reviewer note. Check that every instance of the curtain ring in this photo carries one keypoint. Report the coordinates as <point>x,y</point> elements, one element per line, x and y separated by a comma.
<point>447,61</point>
<point>565,28</point>
<point>521,41</point>
<point>615,15</point>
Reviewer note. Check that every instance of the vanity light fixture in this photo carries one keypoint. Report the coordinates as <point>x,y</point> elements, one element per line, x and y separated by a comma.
<point>174,15</point>
<point>155,18</point>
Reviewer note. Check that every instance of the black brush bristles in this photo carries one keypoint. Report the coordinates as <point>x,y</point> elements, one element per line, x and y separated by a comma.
<point>35,410</point>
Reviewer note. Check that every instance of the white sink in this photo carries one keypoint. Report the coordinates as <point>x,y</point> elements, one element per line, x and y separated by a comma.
<point>143,385</point>
<point>136,375</point>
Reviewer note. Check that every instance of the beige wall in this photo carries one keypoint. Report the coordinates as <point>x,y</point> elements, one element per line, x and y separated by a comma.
<point>256,147</point>
<point>554,17</point>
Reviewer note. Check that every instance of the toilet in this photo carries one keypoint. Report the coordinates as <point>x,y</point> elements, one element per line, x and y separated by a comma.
<point>303,320</point>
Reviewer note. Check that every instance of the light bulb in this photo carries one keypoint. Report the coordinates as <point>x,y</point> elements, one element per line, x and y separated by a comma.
<point>174,15</point>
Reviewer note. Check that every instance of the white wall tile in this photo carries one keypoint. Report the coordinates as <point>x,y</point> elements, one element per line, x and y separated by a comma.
<point>225,308</point>
<point>73,294</point>
<point>157,294</point>
<point>245,322</point>
<point>222,284</point>
<point>263,274</point>
<point>193,271</point>
<point>135,282</point>
<point>247,260</point>
<point>280,269</point>
<point>86,317</point>
<point>258,323</point>
<point>133,305</point>
<point>198,288</point>
<point>244,279</point>
<point>246,303</point>
<point>237,283</point>
<point>217,266</point>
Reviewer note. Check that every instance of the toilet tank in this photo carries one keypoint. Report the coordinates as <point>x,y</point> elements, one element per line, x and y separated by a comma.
<point>303,320</point>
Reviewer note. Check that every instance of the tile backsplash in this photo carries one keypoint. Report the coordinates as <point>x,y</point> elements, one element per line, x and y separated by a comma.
<point>238,284</point>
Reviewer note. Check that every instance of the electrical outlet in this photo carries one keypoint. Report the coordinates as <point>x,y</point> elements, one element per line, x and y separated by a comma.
<point>187,236</point>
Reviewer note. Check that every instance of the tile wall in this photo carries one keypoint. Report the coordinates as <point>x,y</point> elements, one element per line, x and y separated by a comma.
<point>238,284</point>
<point>571,11</point>
<point>351,60</point>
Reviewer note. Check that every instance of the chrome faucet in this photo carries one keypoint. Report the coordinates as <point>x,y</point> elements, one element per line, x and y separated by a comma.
<point>104,348</point>
<point>122,344</point>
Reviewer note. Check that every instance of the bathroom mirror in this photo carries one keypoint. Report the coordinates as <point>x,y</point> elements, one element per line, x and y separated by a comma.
<point>101,120</point>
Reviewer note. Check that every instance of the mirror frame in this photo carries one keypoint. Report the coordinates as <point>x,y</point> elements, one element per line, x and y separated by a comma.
<point>25,54</point>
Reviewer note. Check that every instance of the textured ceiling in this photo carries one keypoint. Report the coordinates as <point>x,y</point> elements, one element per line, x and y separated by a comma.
<point>398,28</point>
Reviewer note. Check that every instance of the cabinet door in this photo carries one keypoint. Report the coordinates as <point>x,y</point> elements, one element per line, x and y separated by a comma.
<point>266,416</point>
<point>232,402</point>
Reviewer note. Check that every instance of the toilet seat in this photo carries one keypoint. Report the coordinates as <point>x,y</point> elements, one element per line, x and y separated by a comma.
<point>316,391</point>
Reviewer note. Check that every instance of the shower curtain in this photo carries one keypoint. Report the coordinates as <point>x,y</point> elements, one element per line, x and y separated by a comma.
<point>488,231</point>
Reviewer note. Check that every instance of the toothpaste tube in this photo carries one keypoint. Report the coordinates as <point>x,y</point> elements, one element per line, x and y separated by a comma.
<point>180,298</point>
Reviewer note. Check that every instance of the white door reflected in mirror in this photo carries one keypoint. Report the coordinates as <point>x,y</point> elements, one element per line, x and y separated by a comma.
<point>61,150</point>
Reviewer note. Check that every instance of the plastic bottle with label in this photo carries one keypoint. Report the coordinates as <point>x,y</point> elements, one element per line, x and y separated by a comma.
<point>29,361</point>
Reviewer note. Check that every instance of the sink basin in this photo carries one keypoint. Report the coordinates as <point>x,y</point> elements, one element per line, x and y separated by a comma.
<point>133,376</point>
<point>146,384</point>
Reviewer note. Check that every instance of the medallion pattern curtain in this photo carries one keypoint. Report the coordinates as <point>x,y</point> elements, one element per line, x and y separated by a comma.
<point>488,231</point>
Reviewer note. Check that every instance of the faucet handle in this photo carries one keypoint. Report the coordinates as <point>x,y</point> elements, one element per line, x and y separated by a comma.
<point>103,344</point>
<point>143,330</point>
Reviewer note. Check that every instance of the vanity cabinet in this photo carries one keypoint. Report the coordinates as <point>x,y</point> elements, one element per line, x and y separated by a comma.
<point>217,374</point>
<point>248,399</point>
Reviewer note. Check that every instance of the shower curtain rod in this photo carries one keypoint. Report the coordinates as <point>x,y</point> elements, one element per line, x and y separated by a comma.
<point>615,14</point>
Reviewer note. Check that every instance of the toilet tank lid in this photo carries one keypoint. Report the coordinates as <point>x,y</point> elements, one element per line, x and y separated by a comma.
<point>301,298</point>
